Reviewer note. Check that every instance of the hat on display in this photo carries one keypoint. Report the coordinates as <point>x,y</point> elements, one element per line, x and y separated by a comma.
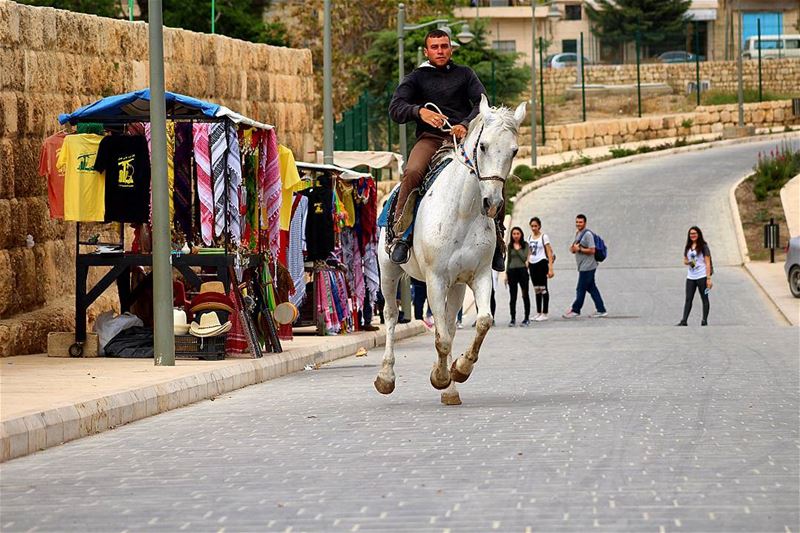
<point>179,325</point>
<point>209,326</point>
<point>211,301</point>
<point>212,286</point>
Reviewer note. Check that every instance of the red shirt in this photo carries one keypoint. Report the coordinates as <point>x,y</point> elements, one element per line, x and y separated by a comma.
<point>55,179</point>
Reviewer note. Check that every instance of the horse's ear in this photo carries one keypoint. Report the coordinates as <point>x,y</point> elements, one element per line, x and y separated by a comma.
<point>519,113</point>
<point>484,107</point>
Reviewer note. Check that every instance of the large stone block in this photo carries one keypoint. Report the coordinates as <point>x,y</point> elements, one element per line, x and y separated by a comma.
<point>31,29</point>
<point>10,23</point>
<point>6,284</point>
<point>8,114</point>
<point>27,181</point>
<point>12,69</point>
<point>7,167</point>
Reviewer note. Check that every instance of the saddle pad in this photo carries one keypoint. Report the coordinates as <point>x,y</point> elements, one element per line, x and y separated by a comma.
<point>427,183</point>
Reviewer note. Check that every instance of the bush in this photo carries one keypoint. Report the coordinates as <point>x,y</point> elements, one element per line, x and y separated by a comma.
<point>773,170</point>
<point>621,152</point>
<point>716,97</point>
<point>524,173</point>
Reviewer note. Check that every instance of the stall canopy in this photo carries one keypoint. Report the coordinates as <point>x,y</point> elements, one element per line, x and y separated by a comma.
<point>137,104</point>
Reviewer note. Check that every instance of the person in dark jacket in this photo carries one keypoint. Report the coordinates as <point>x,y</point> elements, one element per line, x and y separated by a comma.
<point>456,91</point>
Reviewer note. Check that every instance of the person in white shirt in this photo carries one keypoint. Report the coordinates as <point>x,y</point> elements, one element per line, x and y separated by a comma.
<point>697,257</point>
<point>540,265</point>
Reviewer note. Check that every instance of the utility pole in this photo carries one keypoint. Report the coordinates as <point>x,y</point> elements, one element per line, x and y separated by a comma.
<point>739,67</point>
<point>163,334</point>
<point>401,71</point>
<point>327,89</point>
<point>533,85</point>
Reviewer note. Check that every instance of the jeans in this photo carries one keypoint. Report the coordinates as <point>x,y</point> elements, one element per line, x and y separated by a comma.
<point>586,284</point>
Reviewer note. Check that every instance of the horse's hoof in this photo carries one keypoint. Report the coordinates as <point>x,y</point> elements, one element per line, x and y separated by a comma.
<point>384,386</point>
<point>439,385</point>
<point>451,399</point>
<point>457,376</point>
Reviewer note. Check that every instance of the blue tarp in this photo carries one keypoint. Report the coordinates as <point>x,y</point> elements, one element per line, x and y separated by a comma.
<point>137,104</point>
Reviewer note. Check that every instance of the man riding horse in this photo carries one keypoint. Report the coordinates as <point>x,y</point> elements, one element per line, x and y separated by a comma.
<point>456,91</point>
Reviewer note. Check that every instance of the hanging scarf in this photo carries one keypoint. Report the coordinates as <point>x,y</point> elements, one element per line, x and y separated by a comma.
<point>202,157</point>
<point>182,195</point>
<point>234,166</point>
<point>272,194</point>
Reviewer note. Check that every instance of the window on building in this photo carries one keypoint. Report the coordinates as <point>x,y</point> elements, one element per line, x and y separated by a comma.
<point>505,46</point>
<point>792,44</point>
<point>572,12</point>
<point>569,46</point>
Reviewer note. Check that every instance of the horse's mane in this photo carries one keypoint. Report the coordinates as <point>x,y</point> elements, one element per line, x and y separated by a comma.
<point>502,114</point>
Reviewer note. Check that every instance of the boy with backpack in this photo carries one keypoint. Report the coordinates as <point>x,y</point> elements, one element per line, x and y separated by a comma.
<point>589,249</point>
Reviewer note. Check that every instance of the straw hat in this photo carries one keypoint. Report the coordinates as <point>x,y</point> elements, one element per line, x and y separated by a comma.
<point>180,327</point>
<point>209,326</point>
<point>212,286</point>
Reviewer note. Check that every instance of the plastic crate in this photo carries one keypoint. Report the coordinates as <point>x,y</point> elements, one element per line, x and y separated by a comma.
<point>206,348</point>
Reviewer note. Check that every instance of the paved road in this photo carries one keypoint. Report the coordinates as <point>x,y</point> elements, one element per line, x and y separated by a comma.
<point>625,424</point>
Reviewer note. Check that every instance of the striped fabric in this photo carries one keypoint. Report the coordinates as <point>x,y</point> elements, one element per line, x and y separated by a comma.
<point>182,194</point>
<point>218,142</point>
<point>234,163</point>
<point>202,157</point>
<point>272,196</point>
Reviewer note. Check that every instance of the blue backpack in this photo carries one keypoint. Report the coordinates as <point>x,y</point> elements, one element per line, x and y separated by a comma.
<point>600,249</point>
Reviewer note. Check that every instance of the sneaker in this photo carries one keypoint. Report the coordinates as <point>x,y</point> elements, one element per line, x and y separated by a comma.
<point>400,252</point>
<point>571,314</point>
<point>541,318</point>
<point>681,323</point>
<point>369,327</point>
<point>512,323</point>
<point>703,323</point>
<point>599,314</point>
<point>525,323</point>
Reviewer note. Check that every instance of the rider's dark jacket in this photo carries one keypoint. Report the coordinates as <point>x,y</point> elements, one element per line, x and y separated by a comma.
<point>456,89</point>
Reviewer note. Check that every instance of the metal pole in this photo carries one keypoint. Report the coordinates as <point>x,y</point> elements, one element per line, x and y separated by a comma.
<point>213,16</point>
<point>638,73</point>
<point>739,68</point>
<point>163,334</point>
<point>533,85</point>
<point>541,89</point>
<point>760,94</point>
<point>401,71</point>
<point>327,90</point>
<point>583,81</point>
<point>697,61</point>
<point>130,10</point>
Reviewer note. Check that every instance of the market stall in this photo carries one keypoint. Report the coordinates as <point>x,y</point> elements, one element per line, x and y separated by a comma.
<point>225,194</point>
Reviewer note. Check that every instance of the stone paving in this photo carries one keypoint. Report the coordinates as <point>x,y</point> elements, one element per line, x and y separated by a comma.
<point>619,424</point>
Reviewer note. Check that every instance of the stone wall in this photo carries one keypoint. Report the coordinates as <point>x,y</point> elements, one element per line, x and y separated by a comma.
<point>705,119</point>
<point>778,75</point>
<point>54,61</point>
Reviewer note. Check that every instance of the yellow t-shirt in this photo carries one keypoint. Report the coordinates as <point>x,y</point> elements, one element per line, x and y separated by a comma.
<point>289,178</point>
<point>84,188</point>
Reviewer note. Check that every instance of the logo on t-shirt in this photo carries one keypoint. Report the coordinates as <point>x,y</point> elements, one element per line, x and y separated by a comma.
<point>126,170</point>
<point>83,162</point>
<point>318,209</point>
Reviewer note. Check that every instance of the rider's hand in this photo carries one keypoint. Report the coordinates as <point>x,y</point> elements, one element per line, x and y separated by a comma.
<point>459,131</point>
<point>432,118</point>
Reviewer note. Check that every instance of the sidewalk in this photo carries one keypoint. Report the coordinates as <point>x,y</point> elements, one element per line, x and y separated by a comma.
<point>772,280</point>
<point>46,401</point>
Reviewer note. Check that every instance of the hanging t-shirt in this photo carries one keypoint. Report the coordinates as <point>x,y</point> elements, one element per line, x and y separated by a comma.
<point>289,178</point>
<point>319,223</point>
<point>536,246</point>
<point>84,187</point>
<point>126,163</point>
<point>48,168</point>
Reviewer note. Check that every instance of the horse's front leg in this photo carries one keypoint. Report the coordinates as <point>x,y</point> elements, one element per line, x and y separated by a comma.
<point>390,276</point>
<point>455,299</point>
<point>437,297</point>
<point>482,287</point>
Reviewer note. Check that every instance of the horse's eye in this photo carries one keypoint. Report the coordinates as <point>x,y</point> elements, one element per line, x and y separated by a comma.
<point>483,147</point>
<point>514,151</point>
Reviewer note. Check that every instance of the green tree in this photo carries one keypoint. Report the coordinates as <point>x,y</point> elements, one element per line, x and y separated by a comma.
<point>616,21</point>
<point>103,8</point>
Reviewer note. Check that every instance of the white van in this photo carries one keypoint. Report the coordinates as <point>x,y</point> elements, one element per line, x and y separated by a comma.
<point>772,46</point>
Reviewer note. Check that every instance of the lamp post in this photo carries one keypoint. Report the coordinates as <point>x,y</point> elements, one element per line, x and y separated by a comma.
<point>327,89</point>
<point>465,36</point>
<point>533,84</point>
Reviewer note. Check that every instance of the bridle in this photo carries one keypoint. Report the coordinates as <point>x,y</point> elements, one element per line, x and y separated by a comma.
<point>461,152</point>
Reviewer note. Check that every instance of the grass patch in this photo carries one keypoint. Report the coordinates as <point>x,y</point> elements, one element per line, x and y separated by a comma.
<point>774,169</point>
<point>715,97</point>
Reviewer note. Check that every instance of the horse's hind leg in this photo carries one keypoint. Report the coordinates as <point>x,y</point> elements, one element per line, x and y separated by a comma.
<point>455,299</point>
<point>482,287</point>
<point>390,276</point>
<point>437,298</point>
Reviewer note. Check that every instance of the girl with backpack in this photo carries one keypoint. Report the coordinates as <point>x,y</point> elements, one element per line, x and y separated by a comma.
<point>540,264</point>
<point>697,256</point>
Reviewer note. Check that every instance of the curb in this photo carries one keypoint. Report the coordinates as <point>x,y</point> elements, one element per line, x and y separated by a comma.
<point>527,189</point>
<point>35,432</point>
<point>775,305</point>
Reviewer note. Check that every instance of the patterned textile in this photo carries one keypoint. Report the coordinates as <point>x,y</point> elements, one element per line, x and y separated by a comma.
<point>171,167</point>
<point>371,275</point>
<point>272,193</point>
<point>250,201</point>
<point>202,156</point>
<point>368,191</point>
<point>236,341</point>
<point>182,195</point>
<point>294,257</point>
<point>218,142</point>
<point>234,164</point>
<point>260,140</point>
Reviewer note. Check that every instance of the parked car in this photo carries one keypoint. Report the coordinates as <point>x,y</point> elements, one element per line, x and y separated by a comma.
<point>772,46</point>
<point>679,56</point>
<point>563,60</point>
<point>792,266</point>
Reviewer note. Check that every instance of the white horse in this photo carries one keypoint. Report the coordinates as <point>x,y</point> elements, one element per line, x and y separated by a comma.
<point>454,240</point>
